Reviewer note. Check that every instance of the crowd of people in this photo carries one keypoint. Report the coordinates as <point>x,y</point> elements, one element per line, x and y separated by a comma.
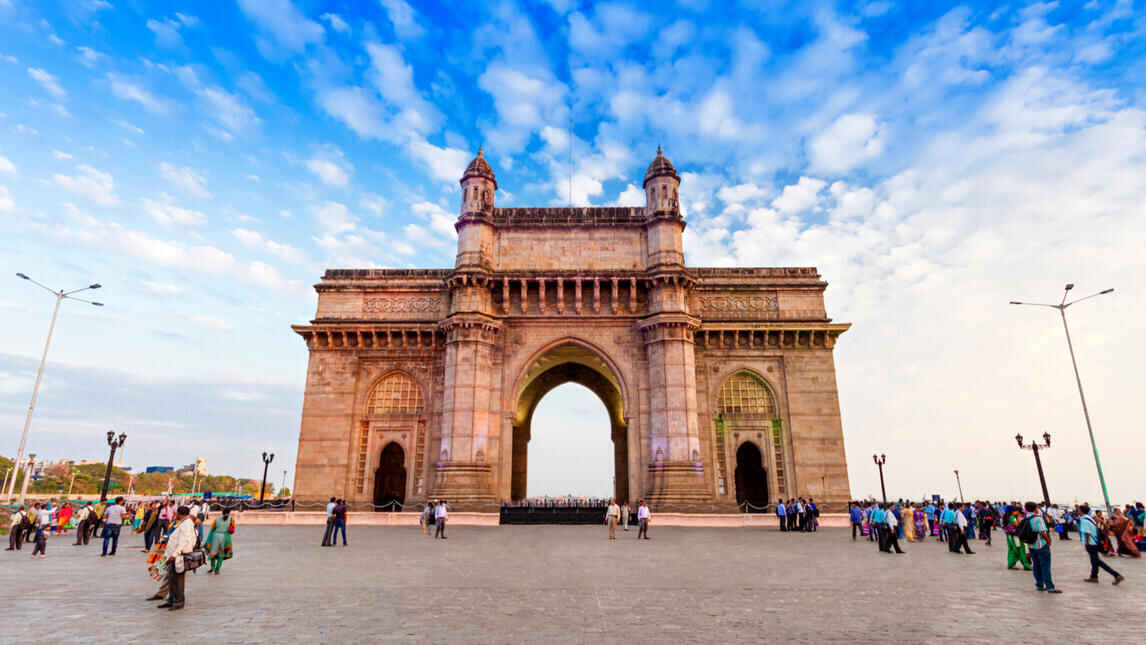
<point>1029,529</point>
<point>174,536</point>
<point>798,514</point>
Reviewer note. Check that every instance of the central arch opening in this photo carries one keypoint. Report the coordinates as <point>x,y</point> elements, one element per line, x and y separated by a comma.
<point>563,364</point>
<point>570,451</point>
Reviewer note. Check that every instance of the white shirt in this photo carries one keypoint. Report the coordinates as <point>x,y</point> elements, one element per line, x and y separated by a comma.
<point>891,521</point>
<point>329,509</point>
<point>614,511</point>
<point>643,513</point>
<point>182,539</point>
<point>44,517</point>
<point>440,512</point>
<point>960,519</point>
<point>114,514</point>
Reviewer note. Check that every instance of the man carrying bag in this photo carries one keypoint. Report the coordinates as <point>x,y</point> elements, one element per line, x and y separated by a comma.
<point>180,544</point>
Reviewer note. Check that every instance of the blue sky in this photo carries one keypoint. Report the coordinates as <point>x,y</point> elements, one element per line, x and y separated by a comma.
<point>206,161</point>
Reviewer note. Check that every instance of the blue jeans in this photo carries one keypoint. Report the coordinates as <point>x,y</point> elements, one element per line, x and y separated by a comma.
<point>110,532</point>
<point>1041,565</point>
<point>339,525</point>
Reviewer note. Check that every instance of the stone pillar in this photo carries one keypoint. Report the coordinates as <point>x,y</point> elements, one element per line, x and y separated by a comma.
<point>560,295</point>
<point>524,296</point>
<point>596,295</point>
<point>464,472</point>
<point>577,296</point>
<point>541,295</point>
<point>676,472</point>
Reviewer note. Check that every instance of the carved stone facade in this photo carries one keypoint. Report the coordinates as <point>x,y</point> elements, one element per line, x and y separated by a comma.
<point>719,383</point>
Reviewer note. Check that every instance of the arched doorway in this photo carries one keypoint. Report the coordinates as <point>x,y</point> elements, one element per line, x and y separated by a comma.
<point>570,362</point>
<point>751,485</point>
<point>390,478</point>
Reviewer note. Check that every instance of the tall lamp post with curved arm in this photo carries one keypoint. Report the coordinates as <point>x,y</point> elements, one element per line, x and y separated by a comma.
<point>267,459</point>
<point>115,444</point>
<point>1035,448</point>
<point>1061,308</point>
<point>60,295</point>
<point>880,461</point>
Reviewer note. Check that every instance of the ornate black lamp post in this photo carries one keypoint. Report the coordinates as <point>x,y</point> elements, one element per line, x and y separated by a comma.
<point>116,444</point>
<point>267,459</point>
<point>880,461</point>
<point>1035,447</point>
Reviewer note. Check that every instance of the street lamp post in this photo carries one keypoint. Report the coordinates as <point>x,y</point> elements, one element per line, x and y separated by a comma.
<point>1061,307</point>
<point>116,443</point>
<point>960,485</point>
<point>60,296</point>
<point>284,483</point>
<point>1035,447</point>
<point>267,459</point>
<point>880,461</point>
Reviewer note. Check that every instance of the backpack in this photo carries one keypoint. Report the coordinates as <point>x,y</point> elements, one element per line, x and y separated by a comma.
<point>1025,532</point>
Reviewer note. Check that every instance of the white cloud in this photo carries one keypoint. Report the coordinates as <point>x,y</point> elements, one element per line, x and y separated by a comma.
<point>612,27</point>
<point>128,126</point>
<point>211,322</point>
<point>91,183</point>
<point>56,154</point>
<point>284,29</point>
<point>6,165</point>
<point>89,57</point>
<point>330,166</point>
<point>50,83</point>
<point>129,90</point>
<point>162,289</point>
<point>186,178</point>
<point>255,240</point>
<point>632,195</point>
<point>849,141</point>
<point>166,32</point>
<point>168,214</point>
<point>228,110</point>
<point>444,164</point>
<point>334,218</point>
<point>336,22</point>
<point>402,17</point>
<point>6,203</point>
<point>376,204</point>
<point>741,193</point>
<point>359,110</point>
<point>187,20</point>
<point>526,99</point>
<point>800,196</point>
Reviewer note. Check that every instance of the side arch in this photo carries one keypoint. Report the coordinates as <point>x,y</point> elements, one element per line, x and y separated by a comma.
<point>747,409</point>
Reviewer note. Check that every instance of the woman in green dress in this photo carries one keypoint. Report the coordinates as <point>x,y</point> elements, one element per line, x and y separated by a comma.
<point>1016,550</point>
<point>219,541</point>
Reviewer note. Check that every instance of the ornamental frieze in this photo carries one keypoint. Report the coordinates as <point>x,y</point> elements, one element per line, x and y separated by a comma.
<point>402,304</point>
<point>756,304</point>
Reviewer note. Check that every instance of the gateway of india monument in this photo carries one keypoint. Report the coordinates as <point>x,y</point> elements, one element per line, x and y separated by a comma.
<point>719,383</point>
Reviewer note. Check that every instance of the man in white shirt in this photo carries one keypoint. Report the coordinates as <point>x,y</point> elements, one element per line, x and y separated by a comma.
<point>625,513</point>
<point>612,515</point>
<point>83,520</point>
<point>179,543</point>
<point>961,522</point>
<point>112,522</point>
<point>199,517</point>
<point>440,517</point>
<point>42,520</point>
<point>328,533</point>
<point>643,517</point>
<point>892,524</point>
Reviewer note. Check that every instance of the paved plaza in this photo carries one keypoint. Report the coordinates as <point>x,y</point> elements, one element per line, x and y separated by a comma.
<point>547,584</point>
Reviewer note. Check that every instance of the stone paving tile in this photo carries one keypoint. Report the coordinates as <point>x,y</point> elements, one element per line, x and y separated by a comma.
<point>549,584</point>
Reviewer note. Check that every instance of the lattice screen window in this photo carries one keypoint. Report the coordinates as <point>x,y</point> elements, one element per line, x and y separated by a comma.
<point>744,393</point>
<point>778,446</point>
<point>360,471</point>
<point>395,394</point>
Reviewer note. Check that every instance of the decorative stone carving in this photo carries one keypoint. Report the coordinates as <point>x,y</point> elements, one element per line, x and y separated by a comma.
<point>402,304</point>
<point>755,304</point>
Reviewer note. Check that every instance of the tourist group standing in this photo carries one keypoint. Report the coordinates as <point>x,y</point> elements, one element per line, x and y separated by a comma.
<point>798,514</point>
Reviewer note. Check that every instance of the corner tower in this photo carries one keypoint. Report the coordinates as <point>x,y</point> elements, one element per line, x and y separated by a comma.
<point>475,223</point>
<point>662,213</point>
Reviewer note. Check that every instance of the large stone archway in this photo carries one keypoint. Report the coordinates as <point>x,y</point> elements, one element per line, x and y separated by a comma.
<point>568,362</point>
<point>599,296</point>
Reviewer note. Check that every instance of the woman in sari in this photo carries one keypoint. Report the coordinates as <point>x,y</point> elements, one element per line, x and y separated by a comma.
<point>920,524</point>
<point>64,519</point>
<point>219,541</point>
<point>909,523</point>
<point>1016,550</point>
<point>1122,534</point>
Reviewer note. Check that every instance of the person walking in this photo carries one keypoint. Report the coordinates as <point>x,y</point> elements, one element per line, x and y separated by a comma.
<point>179,543</point>
<point>1040,549</point>
<point>112,522</point>
<point>148,519</point>
<point>16,529</point>
<point>612,515</point>
<point>643,517</point>
<point>329,532</point>
<point>781,515</point>
<point>892,532</point>
<point>424,518</point>
<point>1088,530</point>
<point>962,524</point>
<point>219,541</point>
<point>83,521</point>
<point>855,515</point>
<point>339,515</point>
<point>1016,549</point>
<point>441,514</point>
<point>625,513</point>
<point>43,524</point>
<point>64,518</point>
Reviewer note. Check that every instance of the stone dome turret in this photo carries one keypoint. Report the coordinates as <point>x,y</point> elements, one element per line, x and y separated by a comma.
<point>660,167</point>
<point>479,167</point>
